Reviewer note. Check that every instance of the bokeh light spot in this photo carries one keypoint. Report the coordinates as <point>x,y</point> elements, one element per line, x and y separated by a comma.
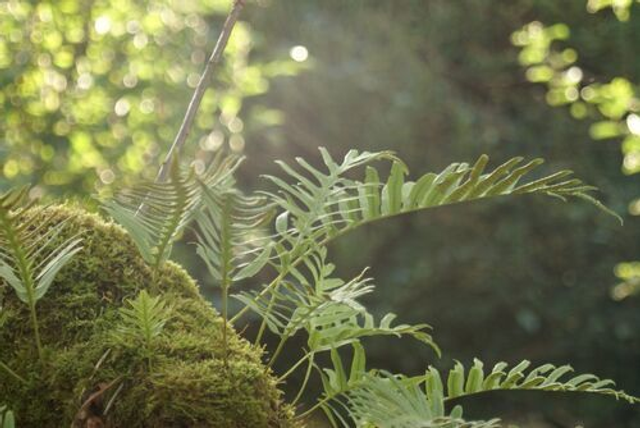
<point>299,53</point>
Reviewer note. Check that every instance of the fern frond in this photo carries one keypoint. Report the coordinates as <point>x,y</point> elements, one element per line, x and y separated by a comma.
<point>381,399</point>
<point>387,401</point>
<point>326,308</point>
<point>7,420</point>
<point>29,262</point>
<point>323,204</point>
<point>143,319</point>
<point>338,380</point>
<point>155,214</point>
<point>546,377</point>
<point>333,329</point>
<point>142,322</point>
<point>232,240</point>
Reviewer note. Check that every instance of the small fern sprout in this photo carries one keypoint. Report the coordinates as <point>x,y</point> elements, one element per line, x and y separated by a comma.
<point>143,321</point>
<point>29,260</point>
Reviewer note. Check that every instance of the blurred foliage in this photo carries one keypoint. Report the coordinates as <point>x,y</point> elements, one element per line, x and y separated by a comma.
<point>629,273</point>
<point>613,107</point>
<point>619,7</point>
<point>94,91</point>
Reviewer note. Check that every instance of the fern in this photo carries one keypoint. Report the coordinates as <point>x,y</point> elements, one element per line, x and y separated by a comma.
<point>28,263</point>
<point>155,214</point>
<point>326,308</point>
<point>386,400</point>
<point>305,296</point>
<point>143,320</point>
<point>324,204</point>
<point>546,377</point>
<point>231,238</point>
<point>7,420</point>
<point>382,400</point>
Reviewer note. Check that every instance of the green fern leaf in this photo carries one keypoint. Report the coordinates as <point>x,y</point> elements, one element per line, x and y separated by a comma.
<point>545,378</point>
<point>30,258</point>
<point>232,238</point>
<point>155,214</point>
<point>326,308</point>
<point>143,320</point>
<point>388,401</point>
<point>327,203</point>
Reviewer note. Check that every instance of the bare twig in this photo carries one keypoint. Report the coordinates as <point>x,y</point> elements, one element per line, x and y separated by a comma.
<point>194,104</point>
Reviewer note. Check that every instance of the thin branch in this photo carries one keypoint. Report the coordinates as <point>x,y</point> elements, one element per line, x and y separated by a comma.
<point>194,104</point>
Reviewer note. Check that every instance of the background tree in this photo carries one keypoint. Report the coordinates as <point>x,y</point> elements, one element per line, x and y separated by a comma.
<point>94,91</point>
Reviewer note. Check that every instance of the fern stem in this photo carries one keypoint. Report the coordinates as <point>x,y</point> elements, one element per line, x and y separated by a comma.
<point>295,366</point>
<point>226,267</point>
<point>225,320</point>
<point>263,324</point>
<point>315,407</point>
<point>34,323</point>
<point>303,386</point>
<point>196,99</point>
<point>12,373</point>
<point>277,352</point>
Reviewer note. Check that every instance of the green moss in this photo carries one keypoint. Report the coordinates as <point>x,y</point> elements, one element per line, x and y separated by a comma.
<point>188,385</point>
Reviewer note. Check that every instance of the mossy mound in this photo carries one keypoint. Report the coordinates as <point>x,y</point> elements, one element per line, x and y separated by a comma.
<point>187,385</point>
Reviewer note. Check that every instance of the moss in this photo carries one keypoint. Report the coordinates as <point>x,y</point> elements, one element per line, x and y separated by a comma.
<point>188,384</point>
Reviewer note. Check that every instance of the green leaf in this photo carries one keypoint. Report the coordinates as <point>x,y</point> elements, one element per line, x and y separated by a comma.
<point>143,319</point>
<point>392,191</point>
<point>546,377</point>
<point>7,419</point>
<point>30,256</point>
<point>255,266</point>
<point>58,260</point>
<point>336,204</point>
<point>393,401</point>
<point>155,214</point>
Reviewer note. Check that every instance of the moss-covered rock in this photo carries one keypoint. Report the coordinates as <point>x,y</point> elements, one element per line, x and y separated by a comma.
<point>187,385</point>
